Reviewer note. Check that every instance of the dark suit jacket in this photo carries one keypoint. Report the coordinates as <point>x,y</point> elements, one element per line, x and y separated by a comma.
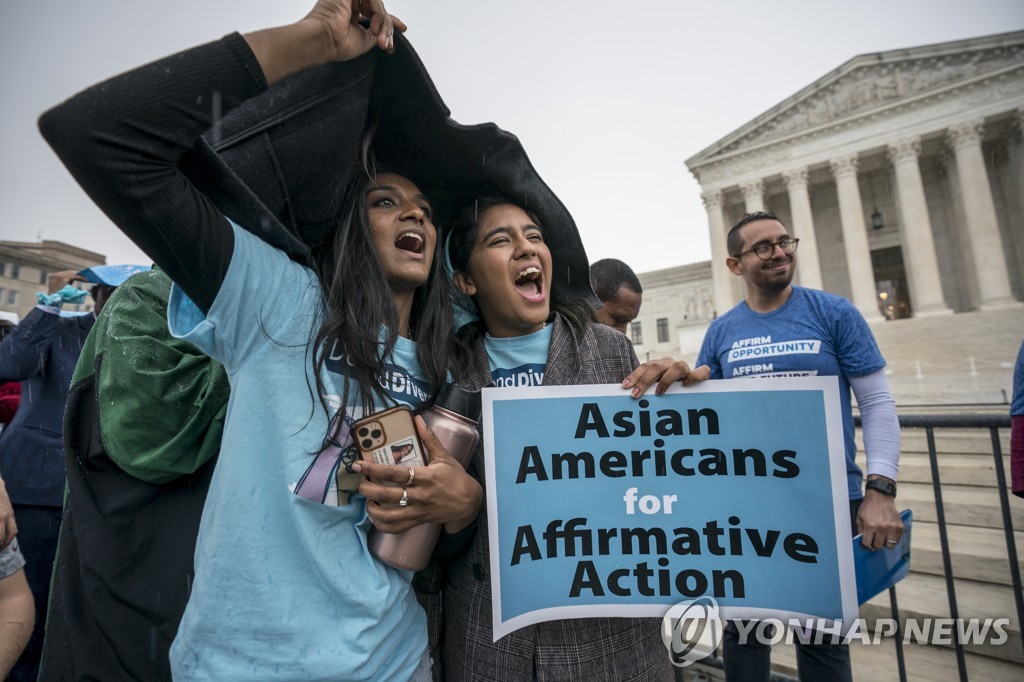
<point>589,649</point>
<point>42,353</point>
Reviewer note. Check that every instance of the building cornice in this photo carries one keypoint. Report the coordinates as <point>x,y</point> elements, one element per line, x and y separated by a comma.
<point>870,87</point>
<point>679,274</point>
<point>49,255</point>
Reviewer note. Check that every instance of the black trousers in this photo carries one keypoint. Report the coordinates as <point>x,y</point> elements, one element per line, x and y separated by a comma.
<point>752,661</point>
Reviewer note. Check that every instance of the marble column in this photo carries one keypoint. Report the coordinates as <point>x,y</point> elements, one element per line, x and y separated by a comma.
<point>855,237</point>
<point>753,195</point>
<point>721,278</point>
<point>803,228</point>
<point>753,200</point>
<point>986,245</point>
<point>916,231</point>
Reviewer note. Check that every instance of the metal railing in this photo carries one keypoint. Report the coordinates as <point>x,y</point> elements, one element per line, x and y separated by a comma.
<point>993,423</point>
<point>929,423</point>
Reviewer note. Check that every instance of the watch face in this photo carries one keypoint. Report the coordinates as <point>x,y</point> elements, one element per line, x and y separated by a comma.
<point>882,487</point>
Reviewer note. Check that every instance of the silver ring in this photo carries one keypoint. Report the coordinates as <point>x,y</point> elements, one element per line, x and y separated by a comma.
<point>891,542</point>
<point>412,476</point>
<point>404,502</point>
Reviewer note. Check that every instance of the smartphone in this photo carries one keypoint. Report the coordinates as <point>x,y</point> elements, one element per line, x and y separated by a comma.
<point>389,437</point>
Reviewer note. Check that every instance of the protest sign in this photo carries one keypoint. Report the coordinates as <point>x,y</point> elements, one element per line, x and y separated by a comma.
<point>602,505</point>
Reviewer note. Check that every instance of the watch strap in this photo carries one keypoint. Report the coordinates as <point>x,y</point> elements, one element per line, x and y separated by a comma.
<point>882,485</point>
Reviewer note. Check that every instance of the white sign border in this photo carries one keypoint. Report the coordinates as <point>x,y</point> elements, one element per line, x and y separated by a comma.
<point>829,388</point>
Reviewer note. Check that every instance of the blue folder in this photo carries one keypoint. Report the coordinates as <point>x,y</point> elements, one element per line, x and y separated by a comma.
<point>878,570</point>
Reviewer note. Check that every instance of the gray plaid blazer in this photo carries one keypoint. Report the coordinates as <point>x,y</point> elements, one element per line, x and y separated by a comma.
<point>591,649</point>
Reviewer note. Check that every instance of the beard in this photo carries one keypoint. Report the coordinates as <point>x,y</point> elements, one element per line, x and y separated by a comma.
<point>770,282</point>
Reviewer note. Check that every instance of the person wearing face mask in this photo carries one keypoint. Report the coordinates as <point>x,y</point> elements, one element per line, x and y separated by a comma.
<point>41,353</point>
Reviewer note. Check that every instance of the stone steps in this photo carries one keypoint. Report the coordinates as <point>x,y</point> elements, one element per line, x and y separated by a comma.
<point>924,596</point>
<point>963,505</point>
<point>877,663</point>
<point>992,338</point>
<point>977,554</point>
<point>965,470</point>
<point>929,360</point>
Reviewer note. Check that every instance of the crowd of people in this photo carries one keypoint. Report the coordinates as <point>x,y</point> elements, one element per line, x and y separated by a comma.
<point>360,316</point>
<point>187,454</point>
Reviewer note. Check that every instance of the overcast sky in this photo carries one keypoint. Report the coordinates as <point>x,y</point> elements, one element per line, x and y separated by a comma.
<point>608,98</point>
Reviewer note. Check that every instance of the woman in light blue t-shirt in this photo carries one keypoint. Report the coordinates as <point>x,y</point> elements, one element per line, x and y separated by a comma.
<point>285,587</point>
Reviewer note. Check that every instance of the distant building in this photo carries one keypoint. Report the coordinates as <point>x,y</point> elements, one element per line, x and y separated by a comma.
<point>24,267</point>
<point>678,306</point>
<point>901,173</point>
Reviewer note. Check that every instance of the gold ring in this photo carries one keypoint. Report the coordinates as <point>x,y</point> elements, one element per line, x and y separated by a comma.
<point>404,502</point>
<point>412,476</point>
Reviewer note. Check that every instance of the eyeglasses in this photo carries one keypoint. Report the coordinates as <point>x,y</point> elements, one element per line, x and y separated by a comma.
<point>764,250</point>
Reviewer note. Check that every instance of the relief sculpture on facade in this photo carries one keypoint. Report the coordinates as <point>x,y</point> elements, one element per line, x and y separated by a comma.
<point>877,85</point>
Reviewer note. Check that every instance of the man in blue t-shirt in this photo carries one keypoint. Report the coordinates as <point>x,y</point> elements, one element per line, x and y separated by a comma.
<point>783,330</point>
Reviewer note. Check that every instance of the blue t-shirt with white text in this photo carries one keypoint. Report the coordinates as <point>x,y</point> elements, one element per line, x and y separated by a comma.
<point>519,360</point>
<point>814,333</point>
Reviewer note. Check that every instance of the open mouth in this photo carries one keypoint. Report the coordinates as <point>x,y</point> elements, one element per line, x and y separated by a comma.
<point>529,283</point>
<point>412,242</point>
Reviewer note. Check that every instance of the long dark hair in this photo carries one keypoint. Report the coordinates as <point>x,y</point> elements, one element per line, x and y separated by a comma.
<point>576,312</point>
<point>358,303</point>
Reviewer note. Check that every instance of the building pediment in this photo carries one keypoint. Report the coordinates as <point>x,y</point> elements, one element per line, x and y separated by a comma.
<point>871,85</point>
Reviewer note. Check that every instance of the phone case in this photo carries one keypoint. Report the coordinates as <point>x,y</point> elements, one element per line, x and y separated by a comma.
<point>389,437</point>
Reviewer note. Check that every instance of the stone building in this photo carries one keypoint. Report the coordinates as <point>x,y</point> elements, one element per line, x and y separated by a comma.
<point>24,267</point>
<point>901,173</point>
<point>677,307</point>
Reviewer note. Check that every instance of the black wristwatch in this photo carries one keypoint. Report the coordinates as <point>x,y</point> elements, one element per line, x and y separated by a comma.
<point>882,485</point>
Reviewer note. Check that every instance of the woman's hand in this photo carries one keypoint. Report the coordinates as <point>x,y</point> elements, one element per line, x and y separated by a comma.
<point>348,39</point>
<point>664,372</point>
<point>441,492</point>
<point>331,32</point>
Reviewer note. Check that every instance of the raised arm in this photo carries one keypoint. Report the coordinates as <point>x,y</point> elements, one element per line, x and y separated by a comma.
<point>122,139</point>
<point>23,353</point>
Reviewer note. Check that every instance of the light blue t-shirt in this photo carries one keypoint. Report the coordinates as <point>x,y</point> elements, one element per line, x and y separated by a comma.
<point>519,360</point>
<point>285,588</point>
<point>814,333</point>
